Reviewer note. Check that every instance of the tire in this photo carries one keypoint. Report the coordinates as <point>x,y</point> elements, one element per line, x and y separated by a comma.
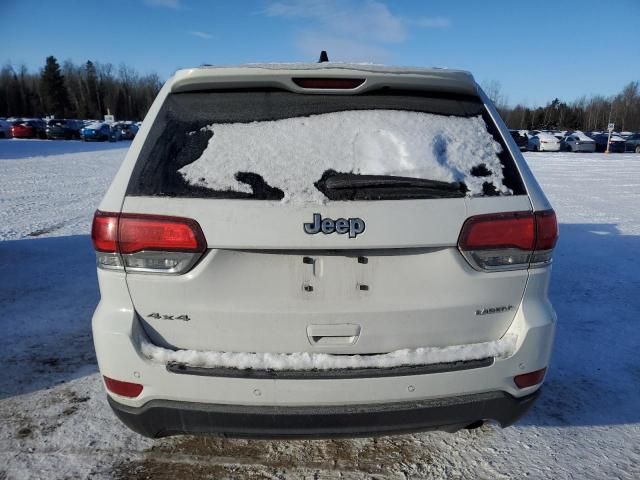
<point>637,148</point>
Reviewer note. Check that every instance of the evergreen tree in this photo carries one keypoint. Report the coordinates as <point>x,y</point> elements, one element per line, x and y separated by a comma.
<point>54,91</point>
<point>94,104</point>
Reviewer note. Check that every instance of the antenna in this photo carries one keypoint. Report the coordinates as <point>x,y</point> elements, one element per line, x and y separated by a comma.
<point>323,57</point>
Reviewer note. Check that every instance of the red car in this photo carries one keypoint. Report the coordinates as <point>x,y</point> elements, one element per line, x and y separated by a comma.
<point>33,128</point>
<point>22,130</point>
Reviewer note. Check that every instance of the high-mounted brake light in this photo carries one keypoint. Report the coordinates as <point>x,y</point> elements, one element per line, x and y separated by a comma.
<point>329,83</point>
<point>146,243</point>
<point>509,241</point>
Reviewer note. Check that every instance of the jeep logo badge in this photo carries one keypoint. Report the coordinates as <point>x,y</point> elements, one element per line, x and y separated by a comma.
<point>352,226</point>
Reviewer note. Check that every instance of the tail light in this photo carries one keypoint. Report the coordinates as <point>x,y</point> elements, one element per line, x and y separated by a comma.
<point>146,243</point>
<point>509,241</point>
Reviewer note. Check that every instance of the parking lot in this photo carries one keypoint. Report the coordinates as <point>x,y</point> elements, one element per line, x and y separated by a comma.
<point>55,422</point>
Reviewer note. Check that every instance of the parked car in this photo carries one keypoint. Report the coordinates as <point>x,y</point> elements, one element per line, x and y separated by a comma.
<point>63,129</point>
<point>521,140</point>
<point>632,143</point>
<point>39,127</point>
<point>220,315</point>
<point>558,134</point>
<point>96,131</point>
<point>22,129</point>
<point>578,142</point>
<point>128,131</point>
<point>28,128</point>
<point>115,134</point>
<point>617,144</point>
<point>5,129</point>
<point>544,142</point>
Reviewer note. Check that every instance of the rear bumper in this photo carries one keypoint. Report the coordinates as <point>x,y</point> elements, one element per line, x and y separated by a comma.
<point>160,418</point>
<point>59,135</point>
<point>549,147</point>
<point>173,402</point>
<point>584,148</point>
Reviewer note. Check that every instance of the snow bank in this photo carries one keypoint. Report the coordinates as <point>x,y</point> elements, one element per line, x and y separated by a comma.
<point>323,361</point>
<point>292,154</point>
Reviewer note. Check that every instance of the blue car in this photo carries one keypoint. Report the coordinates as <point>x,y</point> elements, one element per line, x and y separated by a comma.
<point>632,143</point>
<point>617,144</point>
<point>96,131</point>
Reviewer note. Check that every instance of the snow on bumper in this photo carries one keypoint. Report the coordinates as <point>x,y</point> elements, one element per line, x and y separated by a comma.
<point>501,348</point>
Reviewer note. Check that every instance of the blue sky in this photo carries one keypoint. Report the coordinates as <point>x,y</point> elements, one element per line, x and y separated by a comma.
<point>536,50</point>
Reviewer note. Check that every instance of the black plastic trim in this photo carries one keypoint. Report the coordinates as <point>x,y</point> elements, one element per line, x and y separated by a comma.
<point>345,373</point>
<point>160,418</point>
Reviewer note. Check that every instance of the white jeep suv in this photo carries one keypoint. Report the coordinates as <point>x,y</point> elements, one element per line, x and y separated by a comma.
<point>322,250</point>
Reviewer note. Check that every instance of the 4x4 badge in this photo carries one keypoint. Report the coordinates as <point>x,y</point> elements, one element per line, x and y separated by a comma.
<point>352,226</point>
<point>158,316</point>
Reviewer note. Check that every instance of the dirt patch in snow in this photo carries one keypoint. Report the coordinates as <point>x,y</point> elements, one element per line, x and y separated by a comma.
<point>210,457</point>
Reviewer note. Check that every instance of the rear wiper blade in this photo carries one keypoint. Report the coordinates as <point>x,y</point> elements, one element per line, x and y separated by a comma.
<point>350,181</point>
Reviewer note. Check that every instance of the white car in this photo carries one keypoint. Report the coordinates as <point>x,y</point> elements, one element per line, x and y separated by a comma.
<point>307,251</point>
<point>578,142</point>
<point>544,142</point>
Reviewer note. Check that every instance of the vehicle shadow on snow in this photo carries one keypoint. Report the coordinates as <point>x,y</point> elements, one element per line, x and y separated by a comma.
<point>48,291</point>
<point>594,378</point>
<point>21,148</point>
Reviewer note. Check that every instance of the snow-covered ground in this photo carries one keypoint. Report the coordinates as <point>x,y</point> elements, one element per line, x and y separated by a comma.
<point>55,422</point>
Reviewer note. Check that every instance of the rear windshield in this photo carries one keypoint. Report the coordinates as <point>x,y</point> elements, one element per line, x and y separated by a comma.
<point>279,145</point>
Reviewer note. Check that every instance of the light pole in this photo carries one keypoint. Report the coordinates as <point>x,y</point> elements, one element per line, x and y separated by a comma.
<point>610,128</point>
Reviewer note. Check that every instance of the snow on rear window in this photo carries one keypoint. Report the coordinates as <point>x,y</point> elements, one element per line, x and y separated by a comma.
<point>292,154</point>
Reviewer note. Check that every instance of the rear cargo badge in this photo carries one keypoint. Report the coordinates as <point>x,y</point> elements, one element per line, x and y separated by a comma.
<point>487,311</point>
<point>352,226</point>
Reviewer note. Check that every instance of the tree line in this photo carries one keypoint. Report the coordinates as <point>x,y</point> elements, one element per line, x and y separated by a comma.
<point>586,113</point>
<point>89,90</point>
<point>94,89</point>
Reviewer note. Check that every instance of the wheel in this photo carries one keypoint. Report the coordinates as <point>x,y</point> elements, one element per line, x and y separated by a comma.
<point>637,148</point>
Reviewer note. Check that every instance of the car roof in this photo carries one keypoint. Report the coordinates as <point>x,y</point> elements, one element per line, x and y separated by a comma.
<point>279,75</point>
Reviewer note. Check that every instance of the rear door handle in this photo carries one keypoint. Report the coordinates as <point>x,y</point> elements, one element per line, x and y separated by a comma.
<point>337,334</point>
